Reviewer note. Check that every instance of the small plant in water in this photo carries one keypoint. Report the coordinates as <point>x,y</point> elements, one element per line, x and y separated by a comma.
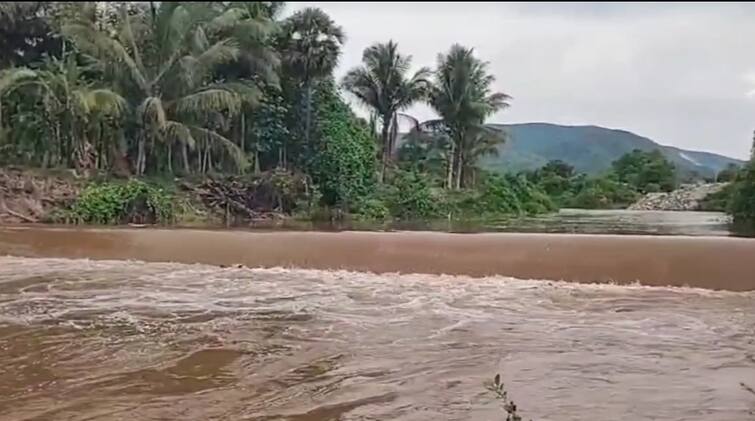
<point>751,390</point>
<point>509,406</point>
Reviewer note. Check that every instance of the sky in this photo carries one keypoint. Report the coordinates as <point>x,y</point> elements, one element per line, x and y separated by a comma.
<point>680,74</point>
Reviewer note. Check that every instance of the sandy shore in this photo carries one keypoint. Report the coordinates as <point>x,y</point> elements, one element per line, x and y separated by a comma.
<point>706,262</point>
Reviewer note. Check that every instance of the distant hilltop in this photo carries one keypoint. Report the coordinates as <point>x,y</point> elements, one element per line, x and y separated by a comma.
<point>590,149</point>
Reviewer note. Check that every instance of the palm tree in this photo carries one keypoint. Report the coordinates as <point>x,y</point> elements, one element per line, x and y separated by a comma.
<point>481,143</point>
<point>462,96</point>
<point>163,63</point>
<point>76,110</point>
<point>381,84</point>
<point>311,45</point>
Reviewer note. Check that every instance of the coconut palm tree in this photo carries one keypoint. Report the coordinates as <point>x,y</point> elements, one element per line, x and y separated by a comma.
<point>481,143</point>
<point>310,43</point>
<point>462,96</point>
<point>72,105</point>
<point>163,62</point>
<point>382,84</point>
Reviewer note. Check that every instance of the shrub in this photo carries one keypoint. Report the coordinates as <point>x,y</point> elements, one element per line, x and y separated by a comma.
<point>503,195</point>
<point>742,204</point>
<point>119,203</point>
<point>409,195</point>
<point>371,208</point>
<point>344,165</point>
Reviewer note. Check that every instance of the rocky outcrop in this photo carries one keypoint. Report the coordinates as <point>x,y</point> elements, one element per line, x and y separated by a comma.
<point>688,197</point>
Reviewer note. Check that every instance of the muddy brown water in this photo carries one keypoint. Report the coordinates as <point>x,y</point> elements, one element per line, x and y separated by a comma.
<point>126,325</point>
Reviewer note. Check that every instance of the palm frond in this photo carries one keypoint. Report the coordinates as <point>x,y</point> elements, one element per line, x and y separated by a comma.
<point>233,151</point>
<point>108,51</point>
<point>221,52</point>
<point>207,101</point>
<point>105,101</point>
<point>151,113</point>
<point>179,132</point>
<point>12,77</point>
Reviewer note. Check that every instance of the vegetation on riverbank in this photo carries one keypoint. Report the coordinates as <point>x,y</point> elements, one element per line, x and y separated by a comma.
<point>211,90</point>
<point>234,92</point>
<point>738,198</point>
<point>631,176</point>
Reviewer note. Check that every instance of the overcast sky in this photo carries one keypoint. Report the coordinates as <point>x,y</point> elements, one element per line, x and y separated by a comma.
<point>680,74</point>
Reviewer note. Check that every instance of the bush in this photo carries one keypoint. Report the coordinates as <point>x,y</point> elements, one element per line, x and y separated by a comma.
<point>120,203</point>
<point>602,193</point>
<point>500,195</point>
<point>371,208</point>
<point>647,172</point>
<point>409,195</point>
<point>742,204</point>
<point>344,165</point>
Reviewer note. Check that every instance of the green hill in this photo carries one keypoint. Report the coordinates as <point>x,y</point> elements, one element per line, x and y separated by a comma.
<point>590,149</point>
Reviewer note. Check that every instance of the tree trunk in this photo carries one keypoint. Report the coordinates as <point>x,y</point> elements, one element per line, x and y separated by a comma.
<point>385,146</point>
<point>459,161</point>
<point>199,159</point>
<point>140,157</point>
<point>58,143</point>
<point>460,168</point>
<point>307,112</point>
<point>450,169</point>
<point>257,169</point>
<point>242,141</point>
<point>185,157</point>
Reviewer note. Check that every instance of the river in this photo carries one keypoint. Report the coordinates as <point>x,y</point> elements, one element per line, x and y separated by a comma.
<point>573,221</point>
<point>123,339</point>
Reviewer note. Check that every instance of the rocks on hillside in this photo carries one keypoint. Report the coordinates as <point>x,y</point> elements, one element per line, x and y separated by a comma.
<point>686,198</point>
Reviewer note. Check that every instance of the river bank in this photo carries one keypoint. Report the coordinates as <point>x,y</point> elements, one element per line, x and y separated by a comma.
<point>704,262</point>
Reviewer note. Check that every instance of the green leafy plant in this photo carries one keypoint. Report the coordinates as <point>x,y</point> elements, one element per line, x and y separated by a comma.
<point>344,165</point>
<point>409,196</point>
<point>118,203</point>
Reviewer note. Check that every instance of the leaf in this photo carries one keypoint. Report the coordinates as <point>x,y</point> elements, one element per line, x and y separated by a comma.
<point>151,112</point>
<point>215,138</point>
<point>208,101</point>
<point>175,131</point>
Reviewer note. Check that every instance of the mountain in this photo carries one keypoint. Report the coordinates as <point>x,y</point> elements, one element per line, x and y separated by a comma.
<point>590,149</point>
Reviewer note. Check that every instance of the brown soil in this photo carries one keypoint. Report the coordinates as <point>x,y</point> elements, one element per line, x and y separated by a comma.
<point>30,196</point>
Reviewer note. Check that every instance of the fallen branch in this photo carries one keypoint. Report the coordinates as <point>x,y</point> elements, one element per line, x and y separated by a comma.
<point>20,216</point>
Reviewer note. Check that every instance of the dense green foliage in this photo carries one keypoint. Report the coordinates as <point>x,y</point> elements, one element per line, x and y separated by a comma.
<point>382,85</point>
<point>737,198</point>
<point>120,203</point>
<point>742,200</point>
<point>410,195</point>
<point>343,165</point>
<point>728,174</point>
<point>222,90</point>
<point>632,175</point>
<point>648,172</point>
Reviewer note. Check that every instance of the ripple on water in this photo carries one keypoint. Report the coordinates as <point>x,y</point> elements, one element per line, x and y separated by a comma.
<point>86,339</point>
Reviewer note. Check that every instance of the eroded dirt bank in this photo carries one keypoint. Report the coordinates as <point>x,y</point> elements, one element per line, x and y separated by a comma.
<point>715,263</point>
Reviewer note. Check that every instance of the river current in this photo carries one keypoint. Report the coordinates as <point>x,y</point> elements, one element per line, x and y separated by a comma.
<point>129,340</point>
